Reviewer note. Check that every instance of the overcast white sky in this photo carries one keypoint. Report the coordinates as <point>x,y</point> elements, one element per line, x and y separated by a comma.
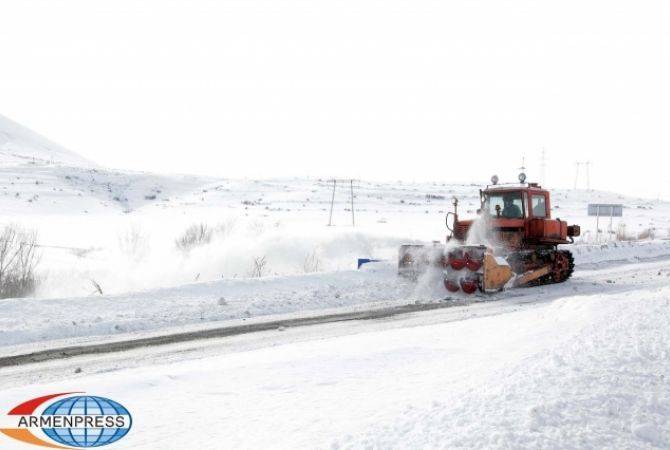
<point>438,90</point>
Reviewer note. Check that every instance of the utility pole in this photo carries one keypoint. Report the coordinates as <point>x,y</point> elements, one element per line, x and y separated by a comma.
<point>543,168</point>
<point>353,221</point>
<point>332,202</point>
<point>598,226</point>
<point>587,166</point>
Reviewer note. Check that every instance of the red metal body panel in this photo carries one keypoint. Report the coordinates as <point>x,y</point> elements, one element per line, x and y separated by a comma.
<point>461,228</point>
<point>548,230</point>
<point>507,223</point>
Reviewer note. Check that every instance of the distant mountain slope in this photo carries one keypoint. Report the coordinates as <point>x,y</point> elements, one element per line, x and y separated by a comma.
<point>20,145</point>
<point>38,176</point>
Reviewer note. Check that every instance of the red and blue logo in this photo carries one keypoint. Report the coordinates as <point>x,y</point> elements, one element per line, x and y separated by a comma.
<point>68,420</point>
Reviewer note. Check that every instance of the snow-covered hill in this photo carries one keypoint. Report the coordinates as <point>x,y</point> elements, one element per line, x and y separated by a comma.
<point>40,177</point>
<point>20,145</point>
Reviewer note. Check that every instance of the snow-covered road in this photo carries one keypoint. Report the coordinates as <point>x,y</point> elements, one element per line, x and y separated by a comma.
<point>579,365</point>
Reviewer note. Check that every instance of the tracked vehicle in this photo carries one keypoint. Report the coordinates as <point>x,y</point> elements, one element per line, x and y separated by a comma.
<point>513,242</point>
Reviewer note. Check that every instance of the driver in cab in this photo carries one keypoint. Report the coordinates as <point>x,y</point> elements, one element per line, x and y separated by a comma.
<point>511,210</point>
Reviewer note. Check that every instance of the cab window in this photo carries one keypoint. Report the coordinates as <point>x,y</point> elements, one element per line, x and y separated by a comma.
<point>509,204</point>
<point>538,206</point>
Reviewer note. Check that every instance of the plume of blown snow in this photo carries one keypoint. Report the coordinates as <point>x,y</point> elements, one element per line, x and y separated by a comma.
<point>430,284</point>
<point>480,233</point>
<point>139,258</point>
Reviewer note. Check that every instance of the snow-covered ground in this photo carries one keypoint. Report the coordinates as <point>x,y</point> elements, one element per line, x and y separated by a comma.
<point>584,369</point>
<point>581,364</point>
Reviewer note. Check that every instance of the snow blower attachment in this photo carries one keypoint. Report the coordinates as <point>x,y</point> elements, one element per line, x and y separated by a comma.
<point>518,219</point>
<point>471,268</point>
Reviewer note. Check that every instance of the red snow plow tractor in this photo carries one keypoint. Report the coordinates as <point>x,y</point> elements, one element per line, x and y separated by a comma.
<point>514,242</point>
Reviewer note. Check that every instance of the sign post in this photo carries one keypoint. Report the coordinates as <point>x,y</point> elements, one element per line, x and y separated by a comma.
<point>605,209</point>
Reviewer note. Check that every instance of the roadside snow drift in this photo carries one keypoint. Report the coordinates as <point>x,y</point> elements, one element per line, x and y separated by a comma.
<point>24,321</point>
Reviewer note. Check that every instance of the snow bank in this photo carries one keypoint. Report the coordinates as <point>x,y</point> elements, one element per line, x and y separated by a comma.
<point>586,255</point>
<point>35,320</point>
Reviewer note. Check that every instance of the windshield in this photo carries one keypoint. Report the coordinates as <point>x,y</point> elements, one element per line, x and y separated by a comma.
<point>510,204</point>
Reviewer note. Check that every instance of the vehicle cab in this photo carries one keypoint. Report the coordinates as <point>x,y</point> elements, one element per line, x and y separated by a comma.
<point>516,202</point>
<point>518,215</point>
